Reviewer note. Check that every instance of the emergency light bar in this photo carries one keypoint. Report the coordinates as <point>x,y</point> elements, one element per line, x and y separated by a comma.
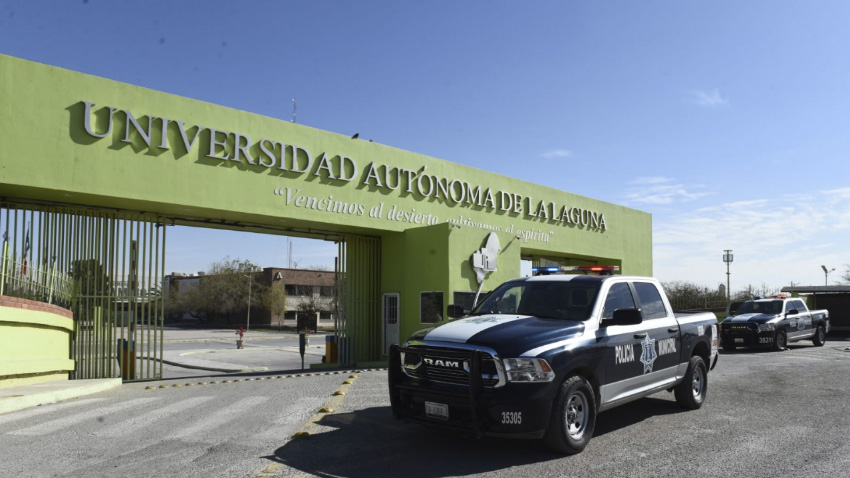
<point>601,270</point>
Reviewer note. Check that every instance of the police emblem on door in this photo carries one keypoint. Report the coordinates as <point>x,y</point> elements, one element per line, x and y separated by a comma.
<point>648,356</point>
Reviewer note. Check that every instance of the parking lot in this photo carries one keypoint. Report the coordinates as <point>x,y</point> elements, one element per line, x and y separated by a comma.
<point>767,414</point>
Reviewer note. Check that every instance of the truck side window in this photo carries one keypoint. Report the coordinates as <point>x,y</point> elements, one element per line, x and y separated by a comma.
<point>788,306</point>
<point>799,305</point>
<point>652,307</point>
<point>619,297</point>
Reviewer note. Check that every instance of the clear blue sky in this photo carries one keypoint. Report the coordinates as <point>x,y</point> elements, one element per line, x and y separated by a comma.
<point>728,121</point>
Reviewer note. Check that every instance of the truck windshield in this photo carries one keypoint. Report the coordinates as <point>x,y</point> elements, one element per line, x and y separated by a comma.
<point>762,307</point>
<point>546,299</point>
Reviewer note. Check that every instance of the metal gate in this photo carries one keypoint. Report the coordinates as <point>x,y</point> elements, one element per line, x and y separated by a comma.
<point>105,266</point>
<point>358,317</point>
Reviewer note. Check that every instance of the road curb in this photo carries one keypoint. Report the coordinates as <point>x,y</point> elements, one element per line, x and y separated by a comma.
<point>19,398</point>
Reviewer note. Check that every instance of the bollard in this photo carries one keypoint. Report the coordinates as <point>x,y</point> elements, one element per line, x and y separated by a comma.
<point>330,349</point>
<point>302,346</point>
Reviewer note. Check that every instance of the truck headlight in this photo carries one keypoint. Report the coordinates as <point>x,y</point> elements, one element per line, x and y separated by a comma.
<point>766,327</point>
<point>528,370</point>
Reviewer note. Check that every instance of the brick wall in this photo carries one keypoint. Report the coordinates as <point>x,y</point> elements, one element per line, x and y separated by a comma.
<point>19,303</point>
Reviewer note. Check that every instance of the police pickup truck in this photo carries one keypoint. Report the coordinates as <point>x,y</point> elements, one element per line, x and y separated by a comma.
<point>541,356</point>
<point>773,322</point>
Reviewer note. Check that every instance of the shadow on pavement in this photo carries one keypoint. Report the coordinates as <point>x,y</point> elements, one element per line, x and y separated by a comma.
<point>370,443</point>
<point>625,416</point>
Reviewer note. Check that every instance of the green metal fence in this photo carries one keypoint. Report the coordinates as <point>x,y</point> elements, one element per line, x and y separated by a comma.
<point>104,265</point>
<point>358,320</point>
<point>35,282</point>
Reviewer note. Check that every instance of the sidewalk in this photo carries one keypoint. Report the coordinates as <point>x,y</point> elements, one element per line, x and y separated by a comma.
<point>18,398</point>
<point>260,354</point>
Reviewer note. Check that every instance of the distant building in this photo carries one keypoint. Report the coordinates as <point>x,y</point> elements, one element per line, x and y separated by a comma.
<point>302,286</point>
<point>305,290</point>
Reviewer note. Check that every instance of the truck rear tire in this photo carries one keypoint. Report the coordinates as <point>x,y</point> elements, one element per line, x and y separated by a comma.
<point>573,417</point>
<point>690,392</point>
<point>820,336</point>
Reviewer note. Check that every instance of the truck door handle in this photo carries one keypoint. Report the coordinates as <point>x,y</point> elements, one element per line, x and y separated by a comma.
<point>673,330</point>
<point>641,335</point>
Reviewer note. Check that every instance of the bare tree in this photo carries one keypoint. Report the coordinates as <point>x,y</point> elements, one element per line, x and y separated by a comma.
<point>313,305</point>
<point>185,300</point>
<point>274,300</point>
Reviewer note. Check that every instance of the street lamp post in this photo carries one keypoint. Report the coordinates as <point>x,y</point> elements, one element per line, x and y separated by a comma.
<point>250,277</point>
<point>727,258</point>
<point>826,274</point>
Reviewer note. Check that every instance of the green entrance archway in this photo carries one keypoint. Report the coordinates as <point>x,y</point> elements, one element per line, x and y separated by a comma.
<point>70,138</point>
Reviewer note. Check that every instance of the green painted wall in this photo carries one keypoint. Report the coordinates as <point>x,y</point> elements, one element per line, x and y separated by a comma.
<point>34,347</point>
<point>412,262</point>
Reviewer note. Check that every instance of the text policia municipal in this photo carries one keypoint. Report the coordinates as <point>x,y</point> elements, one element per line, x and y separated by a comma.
<point>266,153</point>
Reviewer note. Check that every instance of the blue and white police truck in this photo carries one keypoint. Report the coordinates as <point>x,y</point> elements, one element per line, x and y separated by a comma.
<point>539,357</point>
<point>773,322</point>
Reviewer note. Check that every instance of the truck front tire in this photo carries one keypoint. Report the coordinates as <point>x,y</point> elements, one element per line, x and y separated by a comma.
<point>690,392</point>
<point>573,417</point>
<point>781,341</point>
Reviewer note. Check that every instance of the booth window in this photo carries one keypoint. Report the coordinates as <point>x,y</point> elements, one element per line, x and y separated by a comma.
<point>430,307</point>
<point>466,298</point>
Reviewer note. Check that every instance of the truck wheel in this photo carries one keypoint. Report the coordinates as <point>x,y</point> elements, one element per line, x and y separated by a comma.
<point>690,392</point>
<point>573,417</point>
<point>820,336</point>
<point>780,341</point>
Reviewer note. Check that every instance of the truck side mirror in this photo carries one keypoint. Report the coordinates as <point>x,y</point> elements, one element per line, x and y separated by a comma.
<point>454,311</point>
<point>793,312</point>
<point>625,317</point>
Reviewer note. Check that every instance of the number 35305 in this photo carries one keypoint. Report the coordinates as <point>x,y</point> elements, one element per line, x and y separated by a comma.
<point>511,418</point>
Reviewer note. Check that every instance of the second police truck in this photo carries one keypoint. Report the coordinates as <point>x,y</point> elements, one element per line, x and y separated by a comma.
<point>773,323</point>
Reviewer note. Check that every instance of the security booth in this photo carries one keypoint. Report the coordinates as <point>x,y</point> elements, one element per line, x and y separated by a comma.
<point>834,298</point>
<point>415,234</point>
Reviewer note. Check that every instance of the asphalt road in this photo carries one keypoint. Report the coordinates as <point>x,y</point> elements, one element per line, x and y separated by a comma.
<point>263,351</point>
<point>767,414</point>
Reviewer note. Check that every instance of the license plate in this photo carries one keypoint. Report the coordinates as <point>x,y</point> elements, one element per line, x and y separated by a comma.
<point>437,410</point>
<point>739,341</point>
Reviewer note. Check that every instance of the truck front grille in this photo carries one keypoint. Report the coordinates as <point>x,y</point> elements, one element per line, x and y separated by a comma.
<point>445,365</point>
<point>739,328</point>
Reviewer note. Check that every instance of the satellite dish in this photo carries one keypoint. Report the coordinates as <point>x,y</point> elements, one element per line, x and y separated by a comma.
<point>484,260</point>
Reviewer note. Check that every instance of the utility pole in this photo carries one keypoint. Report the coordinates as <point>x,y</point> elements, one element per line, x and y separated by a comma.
<point>250,277</point>
<point>727,258</point>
